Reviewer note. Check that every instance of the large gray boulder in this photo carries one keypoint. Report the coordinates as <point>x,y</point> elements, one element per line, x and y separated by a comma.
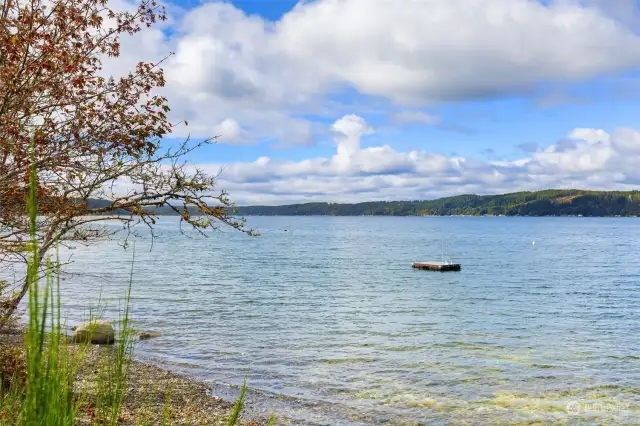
<point>98,332</point>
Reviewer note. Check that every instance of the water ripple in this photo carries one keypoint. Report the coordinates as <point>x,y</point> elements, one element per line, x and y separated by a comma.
<point>331,317</point>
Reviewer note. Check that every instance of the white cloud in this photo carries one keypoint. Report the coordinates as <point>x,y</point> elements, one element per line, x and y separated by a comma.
<point>589,135</point>
<point>350,129</point>
<point>626,140</point>
<point>594,160</point>
<point>420,51</point>
<point>267,75</point>
<point>625,11</point>
<point>229,131</point>
<point>248,79</point>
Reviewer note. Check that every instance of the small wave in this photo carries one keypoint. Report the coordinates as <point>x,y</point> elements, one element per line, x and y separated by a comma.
<point>347,360</point>
<point>405,348</point>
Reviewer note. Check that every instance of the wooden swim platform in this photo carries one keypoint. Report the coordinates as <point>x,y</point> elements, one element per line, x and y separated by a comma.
<point>437,266</point>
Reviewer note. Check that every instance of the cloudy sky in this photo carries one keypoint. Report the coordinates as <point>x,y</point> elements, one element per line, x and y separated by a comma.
<point>354,100</point>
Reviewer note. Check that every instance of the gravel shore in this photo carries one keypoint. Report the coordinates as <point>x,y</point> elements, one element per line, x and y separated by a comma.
<point>154,394</point>
<point>153,390</point>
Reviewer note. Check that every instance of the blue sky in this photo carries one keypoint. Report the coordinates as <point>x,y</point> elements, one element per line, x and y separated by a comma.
<point>268,9</point>
<point>352,100</point>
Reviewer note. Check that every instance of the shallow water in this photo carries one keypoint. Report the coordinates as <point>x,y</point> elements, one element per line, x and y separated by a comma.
<point>328,313</point>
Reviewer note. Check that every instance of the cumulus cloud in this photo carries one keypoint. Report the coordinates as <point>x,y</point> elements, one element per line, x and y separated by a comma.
<point>229,131</point>
<point>596,159</point>
<point>625,11</point>
<point>350,129</point>
<point>412,52</point>
<point>267,75</point>
<point>626,140</point>
<point>248,79</point>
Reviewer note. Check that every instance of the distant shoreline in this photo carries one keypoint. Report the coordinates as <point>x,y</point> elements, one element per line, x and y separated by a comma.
<point>552,202</point>
<point>547,203</point>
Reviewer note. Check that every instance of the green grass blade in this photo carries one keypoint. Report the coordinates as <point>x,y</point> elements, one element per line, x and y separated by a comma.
<point>273,418</point>
<point>239,405</point>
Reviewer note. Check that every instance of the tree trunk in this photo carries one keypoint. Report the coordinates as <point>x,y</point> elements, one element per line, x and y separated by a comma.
<point>8,308</point>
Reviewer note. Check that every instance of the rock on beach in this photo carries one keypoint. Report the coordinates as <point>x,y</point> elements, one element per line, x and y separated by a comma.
<point>98,332</point>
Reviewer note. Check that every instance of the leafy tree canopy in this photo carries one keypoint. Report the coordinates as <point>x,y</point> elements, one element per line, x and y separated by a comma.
<point>87,133</point>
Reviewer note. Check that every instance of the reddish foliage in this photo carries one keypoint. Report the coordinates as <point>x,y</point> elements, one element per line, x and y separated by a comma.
<point>85,131</point>
<point>52,90</point>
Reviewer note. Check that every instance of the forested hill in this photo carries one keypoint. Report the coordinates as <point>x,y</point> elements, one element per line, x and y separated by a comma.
<point>539,203</point>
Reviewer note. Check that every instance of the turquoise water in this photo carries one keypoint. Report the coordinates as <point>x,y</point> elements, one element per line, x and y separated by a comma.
<point>327,313</point>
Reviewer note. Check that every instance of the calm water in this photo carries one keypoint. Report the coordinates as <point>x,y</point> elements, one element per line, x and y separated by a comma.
<point>328,313</point>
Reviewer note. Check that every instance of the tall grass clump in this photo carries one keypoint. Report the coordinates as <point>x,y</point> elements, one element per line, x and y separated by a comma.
<point>42,388</point>
<point>114,369</point>
<point>46,397</point>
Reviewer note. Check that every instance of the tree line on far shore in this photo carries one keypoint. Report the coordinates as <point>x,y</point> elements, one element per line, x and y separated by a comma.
<point>570,202</point>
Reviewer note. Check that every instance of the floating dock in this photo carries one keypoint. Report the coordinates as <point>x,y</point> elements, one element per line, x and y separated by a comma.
<point>437,266</point>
